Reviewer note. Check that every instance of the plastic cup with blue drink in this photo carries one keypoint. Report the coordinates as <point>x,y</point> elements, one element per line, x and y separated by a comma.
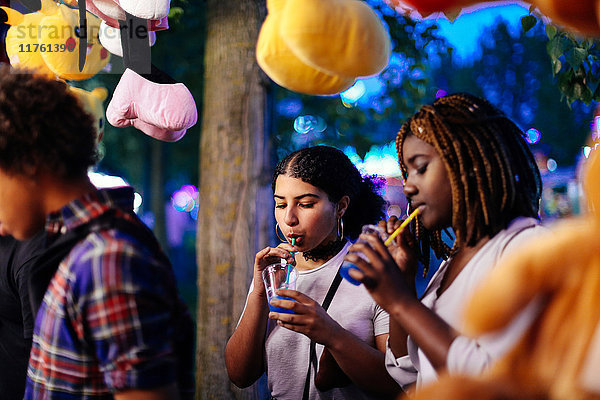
<point>280,275</point>
<point>347,265</point>
<point>387,240</point>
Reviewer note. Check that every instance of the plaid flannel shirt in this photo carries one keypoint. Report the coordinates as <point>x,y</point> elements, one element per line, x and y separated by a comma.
<point>107,322</point>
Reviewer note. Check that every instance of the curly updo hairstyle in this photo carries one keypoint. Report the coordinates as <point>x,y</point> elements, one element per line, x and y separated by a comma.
<point>493,173</point>
<point>331,170</point>
<point>43,127</point>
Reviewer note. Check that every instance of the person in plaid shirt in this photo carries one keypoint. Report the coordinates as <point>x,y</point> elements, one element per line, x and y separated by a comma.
<point>111,324</point>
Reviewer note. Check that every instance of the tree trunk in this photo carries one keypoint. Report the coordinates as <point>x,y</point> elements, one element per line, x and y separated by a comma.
<point>234,172</point>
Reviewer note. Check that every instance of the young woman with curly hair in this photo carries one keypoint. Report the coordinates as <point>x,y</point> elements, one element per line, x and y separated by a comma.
<point>321,201</point>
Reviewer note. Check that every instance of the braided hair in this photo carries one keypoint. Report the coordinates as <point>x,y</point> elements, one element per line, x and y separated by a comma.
<point>492,172</point>
<point>331,170</point>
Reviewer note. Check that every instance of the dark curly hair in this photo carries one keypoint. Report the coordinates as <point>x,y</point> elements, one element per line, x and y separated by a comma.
<point>492,171</point>
<point>43,127</point>
<point>331,170</point>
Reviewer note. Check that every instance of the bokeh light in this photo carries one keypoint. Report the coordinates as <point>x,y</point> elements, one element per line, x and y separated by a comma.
<point>551,164</point>
<point>102,181</point>
<point>394,210</point>
<point>440,93</point>
<point>355,92</point>
<point>309,123</point>
<point>532,136</point>
<point>185,199</point>
<point>289,107</point>
<point>393,75</point>
<point>137,201</point>
<point>595,127</point>
<point>379,160</point>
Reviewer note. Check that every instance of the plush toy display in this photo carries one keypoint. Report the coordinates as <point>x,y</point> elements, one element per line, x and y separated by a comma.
<point>46,42</point>
<point>321,46</point>
<point>145,97</point>
<point>162,110</point>
<point>558,357</point>
<point>93,103</point>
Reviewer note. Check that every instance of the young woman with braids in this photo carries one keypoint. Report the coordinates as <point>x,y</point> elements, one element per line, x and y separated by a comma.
<point>465,166</point>
<point>321,200</point>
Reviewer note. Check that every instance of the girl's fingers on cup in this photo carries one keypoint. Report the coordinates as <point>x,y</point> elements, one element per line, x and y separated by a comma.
<point>356,273</point>
<point>294,294</point>
<point>375,250</point>
<point>282,303</point>
<point>392,223</point>
<point>358,261</point>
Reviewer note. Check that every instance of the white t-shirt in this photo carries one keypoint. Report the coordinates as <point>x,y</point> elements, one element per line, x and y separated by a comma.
<point>287,352</point>
<point>467,355</point>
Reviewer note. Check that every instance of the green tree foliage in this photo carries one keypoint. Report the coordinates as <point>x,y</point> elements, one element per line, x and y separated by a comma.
<point>513,72</point>
<point>574,60</point>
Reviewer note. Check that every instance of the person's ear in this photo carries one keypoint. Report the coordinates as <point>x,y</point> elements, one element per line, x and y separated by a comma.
<point>343,206</point>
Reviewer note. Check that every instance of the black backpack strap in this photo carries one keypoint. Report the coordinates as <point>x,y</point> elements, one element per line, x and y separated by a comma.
<point>45,266</point>
<point>312,362</point>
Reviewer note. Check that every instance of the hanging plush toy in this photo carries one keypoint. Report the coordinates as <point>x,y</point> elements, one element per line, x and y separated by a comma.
<point>46,41</point>
<point>558,357</point>
<point>284,67</point>
<point>321,46</point>
<point>93,103</point>
<point>145,97</point>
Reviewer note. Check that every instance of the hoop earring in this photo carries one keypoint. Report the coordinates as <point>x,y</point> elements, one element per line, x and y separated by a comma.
<point>340,226</point>
<point>277,229</point>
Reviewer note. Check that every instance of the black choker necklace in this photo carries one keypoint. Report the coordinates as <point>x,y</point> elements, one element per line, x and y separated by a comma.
<point>326,251</point>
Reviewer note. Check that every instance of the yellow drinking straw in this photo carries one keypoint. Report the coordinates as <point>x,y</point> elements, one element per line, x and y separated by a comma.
<point>402,225</point>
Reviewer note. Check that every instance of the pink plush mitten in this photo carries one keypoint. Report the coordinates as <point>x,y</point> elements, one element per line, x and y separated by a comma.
<point>158,133</point>
<point>147,9</point>
<point>163,111</point>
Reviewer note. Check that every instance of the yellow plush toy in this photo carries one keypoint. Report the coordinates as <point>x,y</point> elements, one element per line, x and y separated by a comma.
<point>558,357</point>
<point>46,41</point>
<point>93,103</point>
<point>321,46</point>
<point>284,67</point>
<point>340,37</point>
